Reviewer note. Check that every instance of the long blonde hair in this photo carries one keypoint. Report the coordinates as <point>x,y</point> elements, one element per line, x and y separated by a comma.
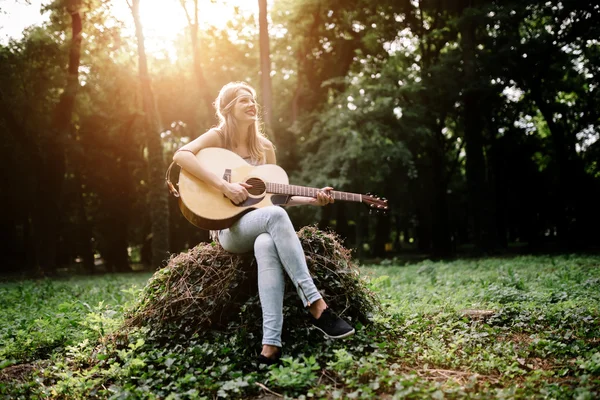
<point>227,98</point>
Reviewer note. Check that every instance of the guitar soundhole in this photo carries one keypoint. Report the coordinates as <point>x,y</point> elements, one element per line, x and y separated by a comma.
<point>258,186</point>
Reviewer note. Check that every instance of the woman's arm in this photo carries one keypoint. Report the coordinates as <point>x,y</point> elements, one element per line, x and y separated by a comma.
<point>186,158</point>
<point>323,198</point>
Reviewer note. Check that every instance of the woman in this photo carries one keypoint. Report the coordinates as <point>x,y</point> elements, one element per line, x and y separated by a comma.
<point>267,230</point>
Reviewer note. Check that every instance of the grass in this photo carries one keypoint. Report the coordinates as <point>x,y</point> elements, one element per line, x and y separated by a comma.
<point>42,317</point>
<point>539,339</point>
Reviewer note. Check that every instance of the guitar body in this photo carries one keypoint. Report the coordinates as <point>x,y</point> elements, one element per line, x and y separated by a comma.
<point>207,208</point>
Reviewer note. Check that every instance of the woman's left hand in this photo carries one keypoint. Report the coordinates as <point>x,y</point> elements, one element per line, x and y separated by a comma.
<point>324,196</point>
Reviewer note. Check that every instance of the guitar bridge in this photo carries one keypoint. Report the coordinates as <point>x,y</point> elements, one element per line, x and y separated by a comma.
<point>227,175</point>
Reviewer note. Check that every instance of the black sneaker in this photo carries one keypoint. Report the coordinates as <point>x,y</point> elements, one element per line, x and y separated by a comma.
<point>262,360</point>
<point>331,325</point>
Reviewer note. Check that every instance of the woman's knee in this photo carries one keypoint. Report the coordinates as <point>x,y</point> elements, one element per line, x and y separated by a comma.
<point>277,214</point>
<point>263,243</point>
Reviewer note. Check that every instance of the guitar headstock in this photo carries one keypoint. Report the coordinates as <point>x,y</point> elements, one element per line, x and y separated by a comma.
<point>375,203</point>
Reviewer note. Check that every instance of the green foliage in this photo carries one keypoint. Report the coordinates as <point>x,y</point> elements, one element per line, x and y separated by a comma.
<point>425,345</point>
<point>49,315</point>
<point>295,373</point>
<point>208,288</point>
<point>370,97</point>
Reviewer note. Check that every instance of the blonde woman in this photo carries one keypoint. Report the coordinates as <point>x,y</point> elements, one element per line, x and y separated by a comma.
<point>268,231</point>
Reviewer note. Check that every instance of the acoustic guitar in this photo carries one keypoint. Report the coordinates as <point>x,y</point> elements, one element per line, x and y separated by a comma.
<point>208,208</point>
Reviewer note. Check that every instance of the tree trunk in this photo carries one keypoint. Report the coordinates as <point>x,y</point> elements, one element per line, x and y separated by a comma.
<point>119,198</point>
<point>440,229</point>
<point>326,216</point>
<point>296,99</point>
<point>500,196</point>
<point>341,223</point>
<point>423,207</point>
<point>203,87</point>
<point>115,254</point>
<point>158,196</point>
<point>301,57</point>
<point>265,67</point>
<point>361,233</point>
<point>382,235</point>
<point>51,166</point>
<point>563,151</point>
<point>84,227</point>
<point>26,198</point>
<point>477,184</point>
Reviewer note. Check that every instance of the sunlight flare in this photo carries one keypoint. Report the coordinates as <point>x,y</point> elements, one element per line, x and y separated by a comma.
<point>164,21</point>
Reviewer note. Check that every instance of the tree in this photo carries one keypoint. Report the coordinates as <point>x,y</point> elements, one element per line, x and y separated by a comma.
<point>193,25</point>
<point>547,50</point>
<point>158,196</point>
<point>265,66</point>
<point>474,118</point>
<point>481,202</point>
<point>50,163</point>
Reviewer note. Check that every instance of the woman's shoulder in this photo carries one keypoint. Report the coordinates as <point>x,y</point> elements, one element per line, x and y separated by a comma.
<point>214,136</point>
<point>210,138</point>
<point>266,143</point>
<point>215,130</point>
<point>269,151</point>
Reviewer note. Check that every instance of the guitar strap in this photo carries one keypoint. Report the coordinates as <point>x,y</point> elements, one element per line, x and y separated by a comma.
<point>170,185</point>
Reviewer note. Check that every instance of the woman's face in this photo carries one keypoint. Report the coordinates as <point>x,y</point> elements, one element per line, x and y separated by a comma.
<point>244,109</point>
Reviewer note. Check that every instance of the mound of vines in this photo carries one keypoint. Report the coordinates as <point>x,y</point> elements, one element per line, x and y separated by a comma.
<point>209,290</point>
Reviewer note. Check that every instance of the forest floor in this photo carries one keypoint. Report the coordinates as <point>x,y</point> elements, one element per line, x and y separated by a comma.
<point>522,327</point>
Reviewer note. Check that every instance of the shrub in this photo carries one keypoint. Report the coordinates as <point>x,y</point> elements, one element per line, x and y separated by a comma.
<point>210,289</point>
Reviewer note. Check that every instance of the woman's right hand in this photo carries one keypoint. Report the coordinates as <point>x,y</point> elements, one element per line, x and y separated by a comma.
<point>236,191</point>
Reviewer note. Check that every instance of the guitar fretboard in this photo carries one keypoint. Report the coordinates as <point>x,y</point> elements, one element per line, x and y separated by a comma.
<point>293,190</point>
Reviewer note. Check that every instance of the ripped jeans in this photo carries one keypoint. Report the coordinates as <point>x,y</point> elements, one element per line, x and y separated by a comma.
<point>276,248</point>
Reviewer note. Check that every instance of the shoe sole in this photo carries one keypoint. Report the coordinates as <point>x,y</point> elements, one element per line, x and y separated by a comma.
<point>344,335</point>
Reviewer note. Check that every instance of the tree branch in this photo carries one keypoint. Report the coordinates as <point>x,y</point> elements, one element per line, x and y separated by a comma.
<point>187,14</point>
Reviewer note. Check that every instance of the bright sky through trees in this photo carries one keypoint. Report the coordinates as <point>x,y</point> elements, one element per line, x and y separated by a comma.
<point>162,20</point>
<point>16,16</point>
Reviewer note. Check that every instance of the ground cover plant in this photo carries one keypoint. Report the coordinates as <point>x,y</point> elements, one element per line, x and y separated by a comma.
<point>524,327</point>
<point>209,288</point>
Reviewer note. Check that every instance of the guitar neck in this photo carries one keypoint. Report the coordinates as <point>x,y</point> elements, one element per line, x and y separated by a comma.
<point>293,190</point>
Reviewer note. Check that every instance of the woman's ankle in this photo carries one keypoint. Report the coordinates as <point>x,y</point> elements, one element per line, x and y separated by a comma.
<point>270,351</point>
<point>317,308</point>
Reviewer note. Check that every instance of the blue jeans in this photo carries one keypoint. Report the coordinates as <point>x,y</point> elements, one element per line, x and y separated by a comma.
<point>276,248</point>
